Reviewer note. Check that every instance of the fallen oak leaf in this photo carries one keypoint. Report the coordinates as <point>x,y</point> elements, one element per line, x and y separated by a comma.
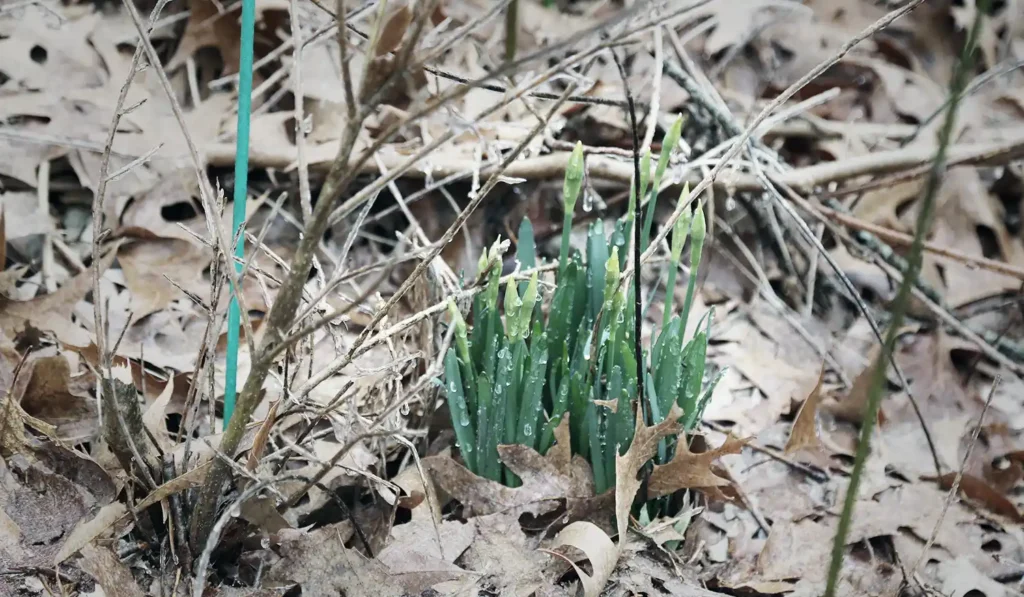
<point>803,437</point>
<point>641,450</point>
<point>54,396</point>
<point>331,572</point>
<point>418,556</point>
<point>50,312</point>
<point>548,480</point>
<point>851,408</point>
<point>506,556</point>
<point>692,471</point>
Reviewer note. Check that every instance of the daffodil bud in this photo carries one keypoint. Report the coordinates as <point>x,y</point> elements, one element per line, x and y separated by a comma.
<point>645,172</point>
<point>573,179</point>
<point>528,302</point>
<point>682,227</point>
<point>611,275</point>
<point>667,145</point>
<point>697,234</point>
<point>481,263</point>
<point>512,306</point>
<point>461,337</point>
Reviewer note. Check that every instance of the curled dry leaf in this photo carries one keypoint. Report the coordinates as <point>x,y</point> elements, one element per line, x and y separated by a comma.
<point>548,480</point>
<point>599,549</point>
<point>187,480</point>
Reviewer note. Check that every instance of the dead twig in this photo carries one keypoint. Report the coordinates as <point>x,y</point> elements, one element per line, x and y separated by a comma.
<point>956,480</point>
<point>894,237</point>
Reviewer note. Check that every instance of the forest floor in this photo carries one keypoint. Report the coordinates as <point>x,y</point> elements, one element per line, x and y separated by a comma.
<point>112,267</point>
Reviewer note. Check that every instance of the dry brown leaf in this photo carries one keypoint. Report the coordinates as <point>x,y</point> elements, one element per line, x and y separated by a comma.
<point>803,441</point>
<point>416,560</point>
<point>852,407</point>
<point>51,312</point>
<point>187,480</point>
<point>12,426</point>
<point>394,29</point>
<point>154,269</point>
<point>54,397</point>
<point>155,417</point>
<point>796,550</point>
<point>961,578</point>
<point>547,480</point>
<point>102,564</point>
<point>599,549</point>
<point>46,497</point>
<point>643,448</point>
<point>87,530</point>
<point>506,556</point>
<point>40,54</point>
<point>776,371</point>
<point>691,471</point>
<point>805,428</point>
<point>333,572</point>
<point>980,491</point>
<point>209,25</point>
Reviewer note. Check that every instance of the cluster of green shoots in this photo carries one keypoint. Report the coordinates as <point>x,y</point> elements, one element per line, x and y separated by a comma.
<point>512,380</point>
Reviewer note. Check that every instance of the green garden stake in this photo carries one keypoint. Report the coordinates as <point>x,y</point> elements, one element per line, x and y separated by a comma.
<point>241,188</point>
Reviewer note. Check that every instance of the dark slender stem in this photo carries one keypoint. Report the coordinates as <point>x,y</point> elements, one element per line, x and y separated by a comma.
<point>637,219</point>
<point>878,378</point>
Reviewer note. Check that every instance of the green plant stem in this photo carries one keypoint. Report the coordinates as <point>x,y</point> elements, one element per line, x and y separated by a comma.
<point>511,29</point>
<point>923,223</point>
<point>563,253</point>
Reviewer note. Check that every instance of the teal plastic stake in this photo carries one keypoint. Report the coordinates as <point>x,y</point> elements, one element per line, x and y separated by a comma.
<point>241,188</point>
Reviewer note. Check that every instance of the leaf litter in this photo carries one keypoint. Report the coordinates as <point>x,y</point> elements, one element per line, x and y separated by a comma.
<point>764,507</point>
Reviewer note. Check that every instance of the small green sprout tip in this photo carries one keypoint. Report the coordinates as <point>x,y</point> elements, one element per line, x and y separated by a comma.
<point>698,232</point>
<point>667,145</point>
<point>512,306</point>
<point>573,178</point>
<point>528,302</point>
<point>611,275</point>
<point>682,227</point>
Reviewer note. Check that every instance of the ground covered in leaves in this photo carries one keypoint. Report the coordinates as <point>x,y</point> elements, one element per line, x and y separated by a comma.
<point>112,268</point>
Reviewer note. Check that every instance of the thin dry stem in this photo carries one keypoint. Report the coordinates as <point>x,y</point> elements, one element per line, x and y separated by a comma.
<point>956,481</point>
<point>782,98</point>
